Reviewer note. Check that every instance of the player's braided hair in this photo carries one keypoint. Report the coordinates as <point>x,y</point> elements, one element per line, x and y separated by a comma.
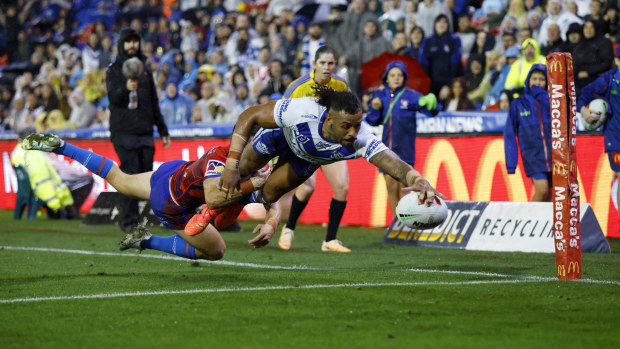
<point>337,100</point>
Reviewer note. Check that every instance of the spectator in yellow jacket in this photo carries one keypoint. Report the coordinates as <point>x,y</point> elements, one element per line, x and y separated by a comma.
<point>530,55</point>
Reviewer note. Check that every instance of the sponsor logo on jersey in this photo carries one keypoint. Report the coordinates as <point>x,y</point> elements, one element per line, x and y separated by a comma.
<point>372,147</point>
<point>404,104</point>
<point>309,116</point>
<point>214,167</point>
<point>283,107</point>
<point>261,148</point>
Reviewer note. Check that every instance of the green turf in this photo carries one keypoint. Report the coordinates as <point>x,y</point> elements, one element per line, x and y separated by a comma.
<point>232,306</point>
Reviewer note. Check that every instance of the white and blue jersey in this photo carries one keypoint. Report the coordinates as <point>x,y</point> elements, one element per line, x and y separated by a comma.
<point>300,121</point>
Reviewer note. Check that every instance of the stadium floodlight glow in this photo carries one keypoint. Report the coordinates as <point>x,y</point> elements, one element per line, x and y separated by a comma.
<point>566,224</point>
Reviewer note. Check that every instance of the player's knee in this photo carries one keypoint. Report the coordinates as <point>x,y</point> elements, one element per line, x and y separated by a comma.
<point>214,254</point>
<point>340,191</point>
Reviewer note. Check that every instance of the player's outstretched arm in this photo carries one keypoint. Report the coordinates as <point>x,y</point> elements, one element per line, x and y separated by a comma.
<point>260,115</point>
<point>391,164</point>
<point>269,228</point>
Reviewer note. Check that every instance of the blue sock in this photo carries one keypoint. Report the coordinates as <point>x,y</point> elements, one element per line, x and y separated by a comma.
<point>170,244</point>
<point>97,164</point>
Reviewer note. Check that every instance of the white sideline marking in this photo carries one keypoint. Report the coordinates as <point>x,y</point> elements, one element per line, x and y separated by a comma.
<point>295,267</point>
<point>265,288</point>
<point>165,257</point>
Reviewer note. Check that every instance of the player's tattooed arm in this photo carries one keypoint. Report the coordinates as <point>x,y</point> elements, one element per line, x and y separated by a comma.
<point>391,164</point>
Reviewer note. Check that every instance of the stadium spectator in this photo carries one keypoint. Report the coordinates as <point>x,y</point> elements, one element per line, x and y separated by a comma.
<point>554,41</point>
<point>556,14</point>
<point>337,174</point>
<point>534,22</point>
<point>467,35</point>
<point>83,113</point>
<point>369,46</point>
<point>519,70</point>
<point>476,78</point>
<point>309,45</point>
<point>428,12</point>
<point>440,55</point>
<point>171,202</point>
<point>415,42</point>
<point>90,53</point>
<point>107,55</point>
<point>517,10</point>
<point>291,43</point>
<point>508,39</point>
<point>242,98</point>
<point>131,130</point>
<point>395,106</point>
<point>573,37</point>
<point>612,22</point>
<point>605,86</point>
<point>484,43</point>
<point>596,17</point>
<point>351,29</point>
<point>12,21</point>
<point>529,119</point>
<point>176,107</point>
<point>456,99</point>
<point>504,66</point>
<point>592,56</point>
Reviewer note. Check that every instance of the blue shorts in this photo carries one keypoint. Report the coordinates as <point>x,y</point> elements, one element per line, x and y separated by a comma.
<point>171,215</point>
<point>542,175</point>
<point>614,160</point>
<point>272,142</point>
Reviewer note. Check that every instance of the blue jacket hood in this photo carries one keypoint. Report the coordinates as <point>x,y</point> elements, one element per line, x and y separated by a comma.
<point>541,67</point>
<point>395,64</point>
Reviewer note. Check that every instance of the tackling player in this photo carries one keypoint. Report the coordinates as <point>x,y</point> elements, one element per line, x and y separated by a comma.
<point>606,86</point>
<point>306,133</point>
<point>175,190</point>
<point>337,173</point>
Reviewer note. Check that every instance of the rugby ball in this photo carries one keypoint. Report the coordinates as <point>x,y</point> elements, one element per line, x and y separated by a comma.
<point>599,108</point>
<point>421,217</point>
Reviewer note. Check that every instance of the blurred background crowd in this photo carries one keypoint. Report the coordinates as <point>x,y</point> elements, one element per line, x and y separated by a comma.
<point>211,59</point>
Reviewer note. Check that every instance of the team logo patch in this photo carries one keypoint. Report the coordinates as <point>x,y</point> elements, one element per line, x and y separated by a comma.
<point>372,146</point>
<point>404,104</point>
<point>337,155</point>
<point>301,139</point>
<point>214,167</point>
<point>322,145</point>
<point>616,157</point>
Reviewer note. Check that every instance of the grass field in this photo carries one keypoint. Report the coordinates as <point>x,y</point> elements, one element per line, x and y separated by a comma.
<point>64,285</point>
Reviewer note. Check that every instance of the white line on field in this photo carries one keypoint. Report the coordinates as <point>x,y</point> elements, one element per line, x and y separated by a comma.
<point>295,267</point>
<point>264,288</point>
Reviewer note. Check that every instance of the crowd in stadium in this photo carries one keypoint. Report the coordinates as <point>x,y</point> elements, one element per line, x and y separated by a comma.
<point>212,59</point>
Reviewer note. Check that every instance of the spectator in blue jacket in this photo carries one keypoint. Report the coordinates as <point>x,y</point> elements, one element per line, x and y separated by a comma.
<point>606,86</point>
<point>529,118</point>
<point>395,107</point>
<point>176,107</point>
<point>440,55</point>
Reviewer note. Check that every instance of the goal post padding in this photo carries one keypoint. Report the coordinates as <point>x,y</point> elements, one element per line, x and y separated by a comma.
<point>565,187</point>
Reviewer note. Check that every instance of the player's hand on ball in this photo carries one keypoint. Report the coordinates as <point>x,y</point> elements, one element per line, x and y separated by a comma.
<point>263,238</point>
<point>587,115</point>
<point>426,190</point>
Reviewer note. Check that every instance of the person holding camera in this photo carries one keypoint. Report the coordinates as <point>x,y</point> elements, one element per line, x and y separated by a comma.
<point>134,110</point>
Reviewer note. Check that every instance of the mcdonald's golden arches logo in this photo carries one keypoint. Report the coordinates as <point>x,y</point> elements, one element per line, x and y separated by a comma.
<point>555,66</point>
<point>561,270</point>
<point>616,158</point>
<point>573,267</point>
<point>559,168</point>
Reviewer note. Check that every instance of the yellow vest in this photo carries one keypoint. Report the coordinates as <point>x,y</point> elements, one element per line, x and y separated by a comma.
<point>302,87</point>
<point>44,179</point>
